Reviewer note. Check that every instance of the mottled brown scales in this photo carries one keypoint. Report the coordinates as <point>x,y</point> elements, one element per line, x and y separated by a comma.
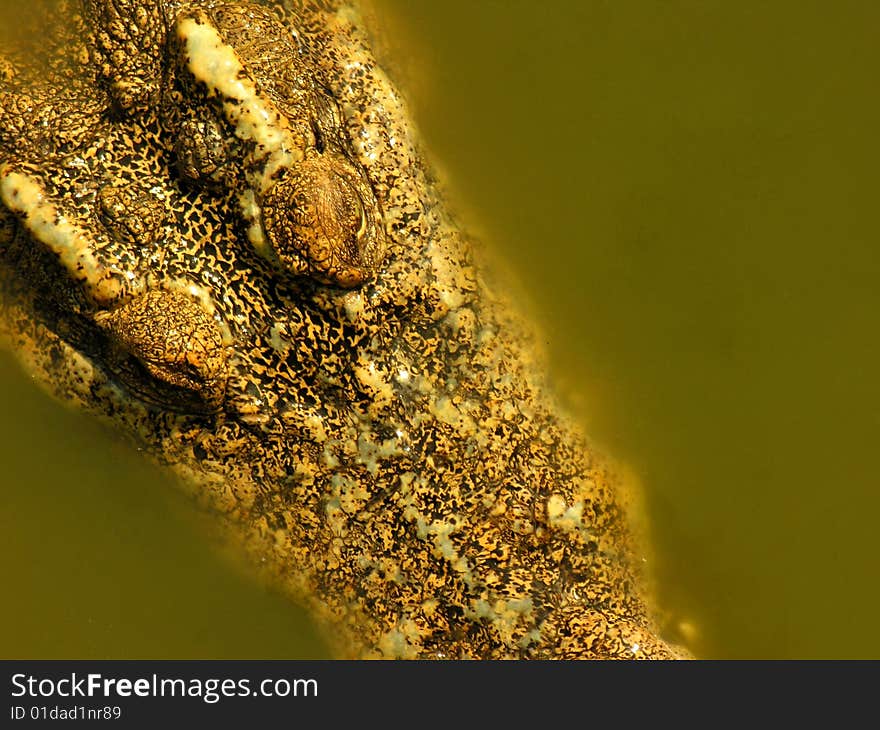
<point>132,214</point>
<point>390,455</point>
<point>311,207</point>
<point>176,341</point>
<point>127,50</point>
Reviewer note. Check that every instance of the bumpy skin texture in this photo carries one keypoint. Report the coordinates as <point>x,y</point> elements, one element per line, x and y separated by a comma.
<point>390,455</point>
<point>241,67</point>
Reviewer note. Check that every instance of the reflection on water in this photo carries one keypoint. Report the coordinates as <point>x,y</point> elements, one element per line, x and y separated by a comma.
<point>688,192</point>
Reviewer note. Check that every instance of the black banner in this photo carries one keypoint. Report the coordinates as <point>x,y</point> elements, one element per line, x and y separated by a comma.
<point>458,694</point>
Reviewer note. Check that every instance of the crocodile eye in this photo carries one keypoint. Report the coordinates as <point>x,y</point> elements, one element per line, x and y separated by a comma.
<point>177,342</point>
<point>321,220</point>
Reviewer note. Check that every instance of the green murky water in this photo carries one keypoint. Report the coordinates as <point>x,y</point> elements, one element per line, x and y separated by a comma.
<point>687,190</point>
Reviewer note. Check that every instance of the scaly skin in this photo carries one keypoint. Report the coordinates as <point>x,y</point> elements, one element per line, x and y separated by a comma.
<point>241,70</point>
<point>391,455</point>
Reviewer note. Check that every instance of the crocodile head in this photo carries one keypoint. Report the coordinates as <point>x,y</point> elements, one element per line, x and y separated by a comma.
<point>390,453</point>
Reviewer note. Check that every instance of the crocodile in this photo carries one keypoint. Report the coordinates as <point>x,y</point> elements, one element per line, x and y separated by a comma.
<point>221,234</point>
